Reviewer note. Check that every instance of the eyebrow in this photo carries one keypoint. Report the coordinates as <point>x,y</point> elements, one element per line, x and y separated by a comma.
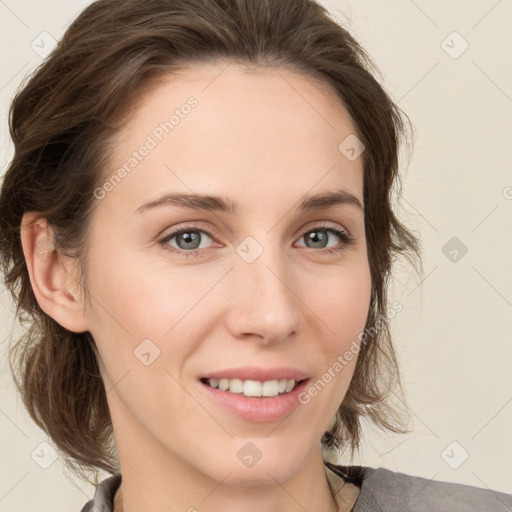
<point>308,202</point>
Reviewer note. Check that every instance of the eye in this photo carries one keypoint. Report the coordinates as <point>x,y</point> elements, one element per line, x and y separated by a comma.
<point>318,236</point>
<point>189,238</point>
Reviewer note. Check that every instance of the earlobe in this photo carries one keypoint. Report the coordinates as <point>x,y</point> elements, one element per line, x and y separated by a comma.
<point>53,282</point>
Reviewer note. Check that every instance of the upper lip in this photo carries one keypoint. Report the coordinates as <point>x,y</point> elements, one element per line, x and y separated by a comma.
<point>257,373</point>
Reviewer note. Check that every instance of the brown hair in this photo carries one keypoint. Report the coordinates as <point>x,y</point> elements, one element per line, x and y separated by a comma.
<point>61,122</point>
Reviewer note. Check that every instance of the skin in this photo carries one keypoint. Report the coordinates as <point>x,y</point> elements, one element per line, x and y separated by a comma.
<point>263,138</point>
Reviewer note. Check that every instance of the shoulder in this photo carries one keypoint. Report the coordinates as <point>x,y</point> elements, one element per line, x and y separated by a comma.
<point>103,495</point>
<point>383,490</point>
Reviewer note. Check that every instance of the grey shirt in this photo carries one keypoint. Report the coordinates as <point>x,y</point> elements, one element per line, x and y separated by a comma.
<point>381,490</point>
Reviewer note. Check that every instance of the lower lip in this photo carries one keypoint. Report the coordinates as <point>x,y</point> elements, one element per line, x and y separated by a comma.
<point>257,409</point>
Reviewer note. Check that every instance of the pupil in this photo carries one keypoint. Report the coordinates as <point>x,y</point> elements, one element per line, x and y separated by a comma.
<point>318,235</point>
<point>189,237</point>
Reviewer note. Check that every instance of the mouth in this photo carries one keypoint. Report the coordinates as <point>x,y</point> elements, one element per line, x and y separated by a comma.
<point>254,388</point>
<point>255,406</point>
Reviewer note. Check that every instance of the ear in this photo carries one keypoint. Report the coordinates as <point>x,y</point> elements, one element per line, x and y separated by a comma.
<point>53,282</point>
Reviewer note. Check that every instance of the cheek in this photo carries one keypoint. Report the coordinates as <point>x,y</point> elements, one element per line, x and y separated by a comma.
<point>142,311</point>
<point>148,300</point>
<point>122,315</point>
<point>342,301</point>
<point>140,338</point>
<point>139,297</point>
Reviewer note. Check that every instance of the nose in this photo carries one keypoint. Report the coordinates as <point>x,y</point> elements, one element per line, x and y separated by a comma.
<point>263,303</point>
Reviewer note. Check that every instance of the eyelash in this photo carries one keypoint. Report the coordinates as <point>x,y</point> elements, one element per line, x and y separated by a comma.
<point>347,240</point>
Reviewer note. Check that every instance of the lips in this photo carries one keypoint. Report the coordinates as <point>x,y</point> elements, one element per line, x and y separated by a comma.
<point>256,409</point>
<point>257,373</point>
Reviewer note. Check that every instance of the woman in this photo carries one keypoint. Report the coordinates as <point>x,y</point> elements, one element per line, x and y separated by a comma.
<point>198,220</point>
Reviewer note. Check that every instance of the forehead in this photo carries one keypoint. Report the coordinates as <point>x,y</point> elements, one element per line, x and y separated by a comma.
<point>229,130</point>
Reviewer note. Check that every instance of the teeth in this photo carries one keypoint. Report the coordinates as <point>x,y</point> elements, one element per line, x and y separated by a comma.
<point>253,387</point>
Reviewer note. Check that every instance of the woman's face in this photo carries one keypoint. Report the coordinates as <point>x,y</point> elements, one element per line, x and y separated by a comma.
<point>268,285</point>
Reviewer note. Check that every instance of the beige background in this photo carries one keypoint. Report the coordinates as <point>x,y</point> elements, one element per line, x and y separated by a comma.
<point>453,336</point>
